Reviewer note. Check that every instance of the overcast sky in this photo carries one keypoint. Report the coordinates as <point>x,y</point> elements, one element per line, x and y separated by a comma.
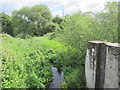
<point>56,6</point>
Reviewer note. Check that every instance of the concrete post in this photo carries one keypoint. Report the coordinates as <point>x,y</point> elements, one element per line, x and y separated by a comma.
<point>102,66</point>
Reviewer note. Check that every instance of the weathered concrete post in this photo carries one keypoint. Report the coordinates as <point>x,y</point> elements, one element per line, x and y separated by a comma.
<point>112,65</point>
<point>91,63</point>
<point>102,65</point>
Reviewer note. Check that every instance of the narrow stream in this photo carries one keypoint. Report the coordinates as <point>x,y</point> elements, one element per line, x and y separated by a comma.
<point>58,78</point>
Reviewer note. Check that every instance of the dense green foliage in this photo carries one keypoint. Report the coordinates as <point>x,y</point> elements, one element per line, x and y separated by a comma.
<point>32,21</point>
<point>28,60</point>
<point>6,24</point>
<point>57,20</point>
<point>25,63</point>
<point>69,61</point>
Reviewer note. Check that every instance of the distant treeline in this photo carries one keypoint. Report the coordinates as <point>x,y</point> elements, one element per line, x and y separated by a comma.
<point>33,21</point>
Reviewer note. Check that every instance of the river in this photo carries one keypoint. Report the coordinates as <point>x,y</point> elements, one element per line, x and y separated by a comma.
<point>58,78</point>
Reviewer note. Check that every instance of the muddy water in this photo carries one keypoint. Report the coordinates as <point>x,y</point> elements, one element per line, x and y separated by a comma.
<point>58,78</point>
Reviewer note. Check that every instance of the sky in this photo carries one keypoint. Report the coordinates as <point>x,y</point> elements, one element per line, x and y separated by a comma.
<point>57,7</point>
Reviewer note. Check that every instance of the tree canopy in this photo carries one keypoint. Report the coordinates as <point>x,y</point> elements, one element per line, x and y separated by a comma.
<point>6,23</point>
<point>31,20</point>
<point>57,19</point>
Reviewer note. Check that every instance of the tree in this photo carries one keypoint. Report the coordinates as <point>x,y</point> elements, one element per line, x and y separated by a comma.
<point>57,19</point>
<point>6,24</point>
<point>78,29</point>
<point>106,22</point>
<point>31,20</point>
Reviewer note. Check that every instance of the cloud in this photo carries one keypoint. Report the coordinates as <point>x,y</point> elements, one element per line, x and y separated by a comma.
<point>22,4</point>
<point>60,13</point>
<point>56,6</point>
<point>83,5</point>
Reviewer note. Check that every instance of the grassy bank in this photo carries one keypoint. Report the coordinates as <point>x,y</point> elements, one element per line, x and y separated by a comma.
<point>25,63</point>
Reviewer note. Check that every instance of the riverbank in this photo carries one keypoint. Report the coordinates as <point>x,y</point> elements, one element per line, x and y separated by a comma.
<point>25,62</point>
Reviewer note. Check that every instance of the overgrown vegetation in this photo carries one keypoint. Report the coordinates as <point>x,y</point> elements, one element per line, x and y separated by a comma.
<point>62,43</point>
<point>25,63</point>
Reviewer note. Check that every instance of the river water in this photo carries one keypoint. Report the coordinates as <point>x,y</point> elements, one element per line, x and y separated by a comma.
<point>58,78</point>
